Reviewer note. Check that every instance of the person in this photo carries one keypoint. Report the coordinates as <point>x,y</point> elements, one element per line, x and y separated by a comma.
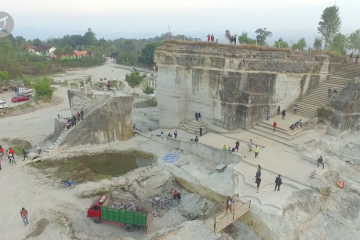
<point>313,174</point>
<point>292,127</point>
<point>231,39</point>
<point>162,134</point>
<point>208,37</point>
<point>329,92</point>
<point>283,114</point>
<point>212,37</point>
<point>178,195</point>
<point>357,59</point>
<point>174,194</point>
<point>256,151</point>
<point>268,116</point>
<point>74,118</point>
<point>0,163</point>
<point>82,114</point>
<point>250,145</point>
<point>175,133</point>
<point>351,56</point>
<point>11,151</point>
<point>278,111</point>
<point>200,131</point>
<point>109,85</point>
<point>196,116</point>
<point>299,123</point>
<point>295,108</point>
<point>157,201</point>
<point>258,178</point>
<point>8,156</point>
<point>38,148</point>
<point>233,150</point>
<point>234,40</point>
<point>274,125</point>
<point>169,135</point>
<point>335,91</point>
<point>78,116</point>
<point>340,183</point>
<point>24,216</point>
<point>199,117</point>
<point>68,123</point>
<point>25,154</point>
<point>224,148</point>
<point>228,204</point>
<point>229,149</point>
<point>237,145</point>
<point>12,159</point>
<point>217,41</point>
<point>58,115</point>
<point>320,161</point>
<point>196,139</point>
<point>278,182</point>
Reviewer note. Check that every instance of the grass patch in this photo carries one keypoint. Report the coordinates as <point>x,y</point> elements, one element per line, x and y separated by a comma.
<point>145,104</point>
<point>323,113</point>
<point>95,193</point>
<point>17,144</point>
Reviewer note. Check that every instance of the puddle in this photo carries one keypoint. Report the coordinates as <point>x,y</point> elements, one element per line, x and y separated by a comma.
<point>114,164</point>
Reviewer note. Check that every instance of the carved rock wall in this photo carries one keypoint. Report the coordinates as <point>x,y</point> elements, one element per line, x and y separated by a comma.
<point>232,87</point>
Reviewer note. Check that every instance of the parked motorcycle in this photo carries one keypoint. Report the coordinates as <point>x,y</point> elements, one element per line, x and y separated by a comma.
<point>69,184</point>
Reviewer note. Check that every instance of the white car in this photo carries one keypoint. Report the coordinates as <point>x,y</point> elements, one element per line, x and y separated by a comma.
<point>22,91</point>
<point>3,104</point>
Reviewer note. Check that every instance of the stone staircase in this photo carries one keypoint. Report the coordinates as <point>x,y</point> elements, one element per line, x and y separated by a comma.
<point>319,97</point>
<point>193,127</point>
<point>282,134</point>
<point>66,131</point>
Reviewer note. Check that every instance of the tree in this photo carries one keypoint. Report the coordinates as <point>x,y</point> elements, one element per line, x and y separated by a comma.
<point>281,43</point>
<point>300,45</point>
<point>36,42</point>
<point>262,35</point>
<point>4,77</point>
<point>339,44</point>
<point>318,43</point>
<point>134,79</point>
<point>43,89</point>
<point>68,51</point>
<point>330,24</point>
<point>58,52</point>
<point>148,90</point>
<point>39,67</point>
<point>244,39</point>
<point>20,40</point>
<point>354,41</point>
<point>147,54</point>
<point>89,37</point>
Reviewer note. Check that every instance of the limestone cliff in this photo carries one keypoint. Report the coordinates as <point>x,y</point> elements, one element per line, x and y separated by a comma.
<point>108,121</point>
<point>232,86</point>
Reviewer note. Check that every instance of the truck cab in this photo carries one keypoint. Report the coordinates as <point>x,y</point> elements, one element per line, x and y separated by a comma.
<point>95,209</point>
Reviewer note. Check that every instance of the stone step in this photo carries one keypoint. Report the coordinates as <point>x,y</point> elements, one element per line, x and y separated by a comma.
<point>280,134</point>
<point>272,137</point>
<point>268,125</point>
<point>186,129</point>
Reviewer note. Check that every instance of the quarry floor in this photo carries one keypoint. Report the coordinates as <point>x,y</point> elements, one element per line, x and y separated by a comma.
<point>24,186</point>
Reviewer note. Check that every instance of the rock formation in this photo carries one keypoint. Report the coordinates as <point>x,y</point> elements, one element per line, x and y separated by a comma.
<point>233,86</point>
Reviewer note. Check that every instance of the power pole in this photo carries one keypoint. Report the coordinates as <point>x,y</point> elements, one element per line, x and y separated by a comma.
<point>169,32</point>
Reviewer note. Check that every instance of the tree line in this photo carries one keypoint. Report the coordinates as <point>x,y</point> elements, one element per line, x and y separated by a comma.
<point>331,38</point>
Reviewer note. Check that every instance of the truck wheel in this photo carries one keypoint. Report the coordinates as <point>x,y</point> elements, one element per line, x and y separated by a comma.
<point>96,220</point>
<point>129,227</point>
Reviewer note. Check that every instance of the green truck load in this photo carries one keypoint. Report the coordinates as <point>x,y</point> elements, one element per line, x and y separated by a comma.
<point>121,212</point>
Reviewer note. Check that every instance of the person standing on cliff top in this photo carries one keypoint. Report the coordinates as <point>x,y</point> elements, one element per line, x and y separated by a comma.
<point>212,37</point>
<point>208,37</point>
<point>234,40</point>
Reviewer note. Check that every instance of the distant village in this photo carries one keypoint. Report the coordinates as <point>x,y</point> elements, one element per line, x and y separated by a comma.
<point>49,52</point>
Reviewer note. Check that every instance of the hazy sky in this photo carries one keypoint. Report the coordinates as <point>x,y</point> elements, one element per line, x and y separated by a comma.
<point>290,19</point>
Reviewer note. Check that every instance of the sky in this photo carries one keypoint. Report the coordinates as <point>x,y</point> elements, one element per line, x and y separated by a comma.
<point>112,19</point>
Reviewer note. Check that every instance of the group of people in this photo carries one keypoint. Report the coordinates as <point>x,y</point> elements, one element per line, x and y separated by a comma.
<point>295,125</point>
<point>177,196</point>
<point>232,40</point>
<point>71,121</point>
<point>232,149</point>
<point>278,180</point>
<point>332,92</point>
<point>237,146</point>
<point>283,113</point>
<point>356,58</point>
<point>211,38</point>
<point>198,116</point>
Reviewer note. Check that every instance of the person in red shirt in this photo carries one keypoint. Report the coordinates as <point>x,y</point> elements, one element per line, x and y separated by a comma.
<point>274,125</point>
<point>11,151</point>
<point>208,37</point>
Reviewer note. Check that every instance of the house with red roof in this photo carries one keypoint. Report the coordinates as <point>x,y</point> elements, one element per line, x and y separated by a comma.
<point>80,54</point>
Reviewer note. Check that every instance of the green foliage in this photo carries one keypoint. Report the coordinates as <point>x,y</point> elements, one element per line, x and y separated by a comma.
<point>4,77</point>
<point>127,58</point>
<point>339,44</point>
<point>148,90</point>
<point>36,42</point>
<point>134,79</point>
<point>147,54</point>
<point>88,79</point>
<point>89,38</point>
<point>244,39</point>
<point>318,43</point>
<point>43,89</point>
<point>58,52</point>
<point>354,40</point>
<point>330,24</point>
<point>39,67</point>
<point>300,45</point>
<point>323,113</point>
<point>262,35</point>
<point>281,43</point>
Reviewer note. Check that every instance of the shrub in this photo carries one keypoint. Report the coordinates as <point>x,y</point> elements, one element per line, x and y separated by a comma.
<point>43,89</point>
<point>323,113</point>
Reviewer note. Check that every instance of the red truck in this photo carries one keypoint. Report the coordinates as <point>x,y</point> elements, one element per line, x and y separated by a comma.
<point>121,212</point>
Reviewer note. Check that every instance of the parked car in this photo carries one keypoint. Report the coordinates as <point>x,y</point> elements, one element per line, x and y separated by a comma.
<point>24,95</point>
<point>25,90</point>
<point>19,99</point>
<point>3,104</point>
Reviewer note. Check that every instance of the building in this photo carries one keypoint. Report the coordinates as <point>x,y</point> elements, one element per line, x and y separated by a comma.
<point>80,54</point>
<point>40,50</point>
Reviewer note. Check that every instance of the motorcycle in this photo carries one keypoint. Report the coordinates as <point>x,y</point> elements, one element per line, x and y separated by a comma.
<point>69,184</point>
